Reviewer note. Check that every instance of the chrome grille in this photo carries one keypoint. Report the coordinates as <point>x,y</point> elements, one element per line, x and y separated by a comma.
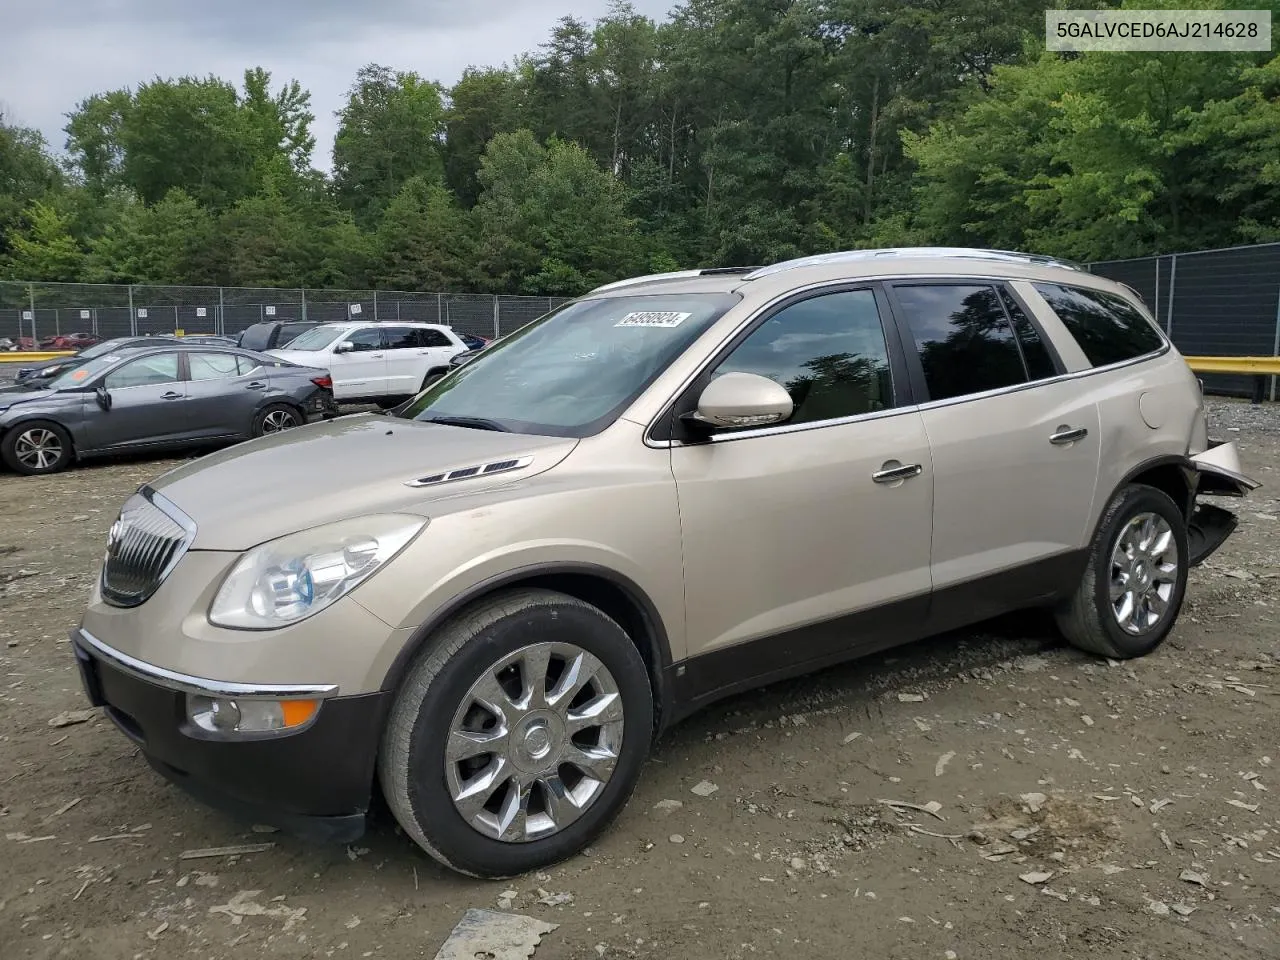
<point>145,544</point>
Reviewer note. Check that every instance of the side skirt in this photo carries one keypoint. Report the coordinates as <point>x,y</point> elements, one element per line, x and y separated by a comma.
<point>702,680</point>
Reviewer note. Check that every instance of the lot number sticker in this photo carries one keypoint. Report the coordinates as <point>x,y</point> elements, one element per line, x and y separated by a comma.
<point>653,319</point>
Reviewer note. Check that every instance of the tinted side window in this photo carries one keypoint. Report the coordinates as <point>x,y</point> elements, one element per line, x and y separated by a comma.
<point>965,342</point>
<point>370,338</point>
<point>288,331</point>
<point>213,366</point>
<point>433,338</point>
<point>400,338</point>
<point>1107,328</point>
<point>828,351</point>
<point>149,371</point>
<point>1040,365</point>
<point>257,337</point>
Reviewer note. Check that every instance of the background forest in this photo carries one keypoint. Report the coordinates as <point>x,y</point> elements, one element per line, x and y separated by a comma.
<point>736,132</point>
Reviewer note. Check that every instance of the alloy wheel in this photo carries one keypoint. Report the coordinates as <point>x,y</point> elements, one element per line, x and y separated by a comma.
<point>278,420</point>
<point>1144,573</point>
<point>38,449</point>
<point>534,742</point>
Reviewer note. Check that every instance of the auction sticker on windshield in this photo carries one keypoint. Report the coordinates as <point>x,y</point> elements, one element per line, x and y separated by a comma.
<point>653,319</point>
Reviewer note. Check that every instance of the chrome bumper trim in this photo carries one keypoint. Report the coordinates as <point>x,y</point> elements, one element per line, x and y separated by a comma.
<point>199,685</point>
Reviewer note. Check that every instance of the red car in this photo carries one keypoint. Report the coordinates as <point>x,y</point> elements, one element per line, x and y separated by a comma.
<point>70,341</point>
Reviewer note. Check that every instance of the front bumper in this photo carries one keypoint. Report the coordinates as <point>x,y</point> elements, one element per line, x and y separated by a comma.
<point>316,782</point>
<point>1217,474</point>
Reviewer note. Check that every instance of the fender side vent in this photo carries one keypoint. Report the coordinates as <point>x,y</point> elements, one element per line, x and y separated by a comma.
<point>463,473</point>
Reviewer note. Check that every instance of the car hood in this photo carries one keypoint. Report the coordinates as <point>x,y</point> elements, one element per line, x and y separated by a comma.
<point>19,394</point>
<point>303,358</point>
<point>273,486</point>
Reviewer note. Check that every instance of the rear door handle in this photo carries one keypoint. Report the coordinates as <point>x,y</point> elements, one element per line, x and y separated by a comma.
<point>894,472</point>
<point>1065,435</point>
<point>256,385</point>
<point>171,396</point>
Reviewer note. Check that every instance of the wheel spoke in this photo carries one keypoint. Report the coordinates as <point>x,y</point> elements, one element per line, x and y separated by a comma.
<point>562,808</point>
<point>1124,612</point>
<point>1120,585</point>
<point>1157,604</point>
<point>475,793</point>
<point>595,762</point>
<point>1163,540</point>
<point>579,670</point>
<point>465,744</point>
<point>514,816</point>
<point>534,664</point>
<point>597,712</point>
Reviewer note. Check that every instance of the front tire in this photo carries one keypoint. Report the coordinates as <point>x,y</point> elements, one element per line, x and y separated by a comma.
<point>1132,590</point>
<point>36,448</point>
<point>518,735</point>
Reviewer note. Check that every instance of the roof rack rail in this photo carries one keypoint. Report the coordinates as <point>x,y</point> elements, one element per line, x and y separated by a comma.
<point>675,275</point>
<point>850,256</point>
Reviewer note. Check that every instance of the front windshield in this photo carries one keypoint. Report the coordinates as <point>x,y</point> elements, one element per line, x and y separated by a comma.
<point>317,338</point>
<point>82,373</point>
<point>572,372</point>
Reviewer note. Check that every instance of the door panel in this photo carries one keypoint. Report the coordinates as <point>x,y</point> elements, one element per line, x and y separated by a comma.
<point>408,360</point>
<point>789,530</point>
<point>363,372</point>
<point>786,528</point>
<point>1015,454</point>
<point>147,404</point>
<point>223,393</point>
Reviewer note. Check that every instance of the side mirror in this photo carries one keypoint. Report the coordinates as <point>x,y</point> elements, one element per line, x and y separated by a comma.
<point>104,398</point>
<point>743,400</point>
<point>346,346</point>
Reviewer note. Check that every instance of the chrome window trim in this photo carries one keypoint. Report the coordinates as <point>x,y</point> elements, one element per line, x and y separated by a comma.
<point>185,683</point>
<point>1165,348</point>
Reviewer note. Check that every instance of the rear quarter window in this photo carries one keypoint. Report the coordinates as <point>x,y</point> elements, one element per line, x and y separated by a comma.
<point>1107,327</point>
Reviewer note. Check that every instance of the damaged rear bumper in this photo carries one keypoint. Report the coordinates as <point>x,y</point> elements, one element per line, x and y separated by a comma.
<point>1217,474</point>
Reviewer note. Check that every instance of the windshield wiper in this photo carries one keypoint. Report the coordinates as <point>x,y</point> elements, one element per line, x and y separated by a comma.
<point>475,423</point>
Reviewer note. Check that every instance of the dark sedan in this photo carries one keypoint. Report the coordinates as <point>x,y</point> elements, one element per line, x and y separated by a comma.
<point>162,397</point>
<point>48,369</point>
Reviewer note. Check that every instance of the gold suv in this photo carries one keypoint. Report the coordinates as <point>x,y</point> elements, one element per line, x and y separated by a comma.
<point>489,602</point>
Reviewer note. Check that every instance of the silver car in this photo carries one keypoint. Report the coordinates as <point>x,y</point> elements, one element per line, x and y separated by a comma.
<point>157,398</point>
<point>664,492</point>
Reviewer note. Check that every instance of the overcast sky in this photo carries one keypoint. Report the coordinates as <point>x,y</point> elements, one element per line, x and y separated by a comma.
<point>56,52</point>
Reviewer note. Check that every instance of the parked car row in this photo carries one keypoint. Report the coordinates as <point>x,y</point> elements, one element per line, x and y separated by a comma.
<point>164,394</point>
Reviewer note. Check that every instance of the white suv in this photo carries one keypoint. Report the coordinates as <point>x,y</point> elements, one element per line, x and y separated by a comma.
<point>376,362</point>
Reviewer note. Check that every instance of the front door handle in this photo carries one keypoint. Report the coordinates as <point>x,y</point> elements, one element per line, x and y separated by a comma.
<point>894,472</point>
<point>1065,435</point>
<point>170,396</point>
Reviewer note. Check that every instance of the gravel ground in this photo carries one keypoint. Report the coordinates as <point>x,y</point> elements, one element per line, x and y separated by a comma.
<point>988,794</point>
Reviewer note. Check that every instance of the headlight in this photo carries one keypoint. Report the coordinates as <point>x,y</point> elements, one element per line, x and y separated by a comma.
<point>292,578</point>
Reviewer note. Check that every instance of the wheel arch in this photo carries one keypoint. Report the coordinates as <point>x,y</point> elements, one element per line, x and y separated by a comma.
<point>616,595</point>
<point>72,432</point>
<point>1174,475</point>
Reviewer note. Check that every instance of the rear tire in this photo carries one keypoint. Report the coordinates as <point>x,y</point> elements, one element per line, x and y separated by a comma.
<point>1132,590</point>
<point>432,376</point>
<point>276,418</point>
<point>37,447</point>
<point>479,760</point>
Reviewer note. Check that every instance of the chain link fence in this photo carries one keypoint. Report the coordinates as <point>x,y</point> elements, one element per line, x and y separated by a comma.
<point>34,313</point>
<point>1222,303</point>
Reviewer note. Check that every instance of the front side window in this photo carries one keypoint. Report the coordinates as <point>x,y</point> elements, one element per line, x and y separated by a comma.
<point>214,366</point>
<point>145,372</point>
<point>828,352</point>
<point>572,372</point>
<point>1108,328</point>
<point>366,340</point>
<point>962,336</point>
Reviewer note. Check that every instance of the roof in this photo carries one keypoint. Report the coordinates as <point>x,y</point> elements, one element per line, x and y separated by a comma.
<point>855,264</point>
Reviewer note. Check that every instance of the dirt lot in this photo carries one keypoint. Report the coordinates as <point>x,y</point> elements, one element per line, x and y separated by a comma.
<point>1080,807</point>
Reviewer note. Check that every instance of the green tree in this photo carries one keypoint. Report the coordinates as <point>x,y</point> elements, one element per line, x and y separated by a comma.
<point>483,104</point>
<point>425,241</point>
<point>27,174</point>
<point>389,132</point>
<point>42,248</point>
<point>173,241</point>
